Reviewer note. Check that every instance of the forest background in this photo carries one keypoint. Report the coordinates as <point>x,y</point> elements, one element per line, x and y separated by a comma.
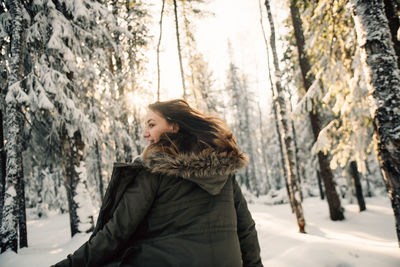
<point>310,89</point>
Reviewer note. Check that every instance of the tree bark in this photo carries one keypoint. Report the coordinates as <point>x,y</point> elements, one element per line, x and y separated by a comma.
<point>158,51</point>
<point>391,9</point>
<point>263,150</point>
<point>73,160</point>
<point>99,170</point>
<point>288,139</point>
<point>2,168</point>
<point>321,190</point>
<point>275,110</point>
<point>383,79</point>
<point>335,209</point>
<point>14,126</point>
<point>355,176</point>
<point>179,49</point>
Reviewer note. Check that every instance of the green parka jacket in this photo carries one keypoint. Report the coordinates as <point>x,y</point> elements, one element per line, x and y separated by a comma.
<point>186,210</point>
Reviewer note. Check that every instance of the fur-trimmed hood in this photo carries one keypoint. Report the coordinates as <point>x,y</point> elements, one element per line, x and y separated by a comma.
<point>209,169</point>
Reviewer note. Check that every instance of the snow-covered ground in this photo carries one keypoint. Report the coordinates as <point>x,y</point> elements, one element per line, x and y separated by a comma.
<point>366,239</point>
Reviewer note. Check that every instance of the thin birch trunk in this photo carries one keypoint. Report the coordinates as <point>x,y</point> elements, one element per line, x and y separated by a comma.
<point>263,150</point>
<point>179,49</point>
<point>288,139</point>
<point>335,208</point>
<point>296,148</point>
<point>276,119</point>
<point>383,79</point>
<point>158,51</point>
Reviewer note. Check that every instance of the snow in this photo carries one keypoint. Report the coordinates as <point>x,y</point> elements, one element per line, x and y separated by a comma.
<point>366,239</point>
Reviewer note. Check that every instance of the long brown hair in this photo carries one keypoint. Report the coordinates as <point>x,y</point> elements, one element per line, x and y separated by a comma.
<point>196,132</point>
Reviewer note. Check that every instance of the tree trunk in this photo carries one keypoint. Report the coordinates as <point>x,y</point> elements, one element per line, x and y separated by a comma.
<point>73,163</point>
<point>383,78</point>
<point>296,148</point>
<point>263,150</point>
<point>369,193</point>
<point>13,124</point>
<point>391,10</point>
<point>321,190</point>
<point>352,170</point>
<point>158,51</point>
<point>335,208</point>
<point>276,119</point>
<point>2,168</point>
<point>288,139</point>
<point>179,48</point>
<point>99,169</point>
<point>23,235</point>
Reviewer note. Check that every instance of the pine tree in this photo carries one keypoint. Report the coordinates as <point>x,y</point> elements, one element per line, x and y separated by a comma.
<point>335,209</point>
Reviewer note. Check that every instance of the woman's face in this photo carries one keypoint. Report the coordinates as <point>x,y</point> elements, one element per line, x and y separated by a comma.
<point>155,126</point>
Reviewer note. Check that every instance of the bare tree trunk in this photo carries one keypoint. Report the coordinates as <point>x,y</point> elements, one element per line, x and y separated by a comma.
<point>391,11</point>
<point>14,124</point>
<point>369,193</point>
<point>296,148</point>
<point>321,190</point>
<point>99,169</point>
<point>98,156</point>
<point>263,150</point>
<point>158,51</point>
<point>383,78</point>
<point>2,168</point>
<point>73,160</point>
<point>355,176</point>
<point>23,234</point>
<point>179,49</point>
<point>335,208</point>
<point>288,139</point>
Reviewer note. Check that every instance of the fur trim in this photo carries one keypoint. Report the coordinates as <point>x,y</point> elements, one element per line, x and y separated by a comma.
<point>205,164</point>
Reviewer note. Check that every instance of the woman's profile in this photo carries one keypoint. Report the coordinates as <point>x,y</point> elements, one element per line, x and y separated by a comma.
<point>178,204</point>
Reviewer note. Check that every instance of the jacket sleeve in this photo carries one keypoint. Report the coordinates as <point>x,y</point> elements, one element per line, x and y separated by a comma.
<point>247,233</point>
<point>132,208</point>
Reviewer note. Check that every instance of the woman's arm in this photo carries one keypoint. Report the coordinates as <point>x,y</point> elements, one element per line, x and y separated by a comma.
<point>246,230</point>
<point>132,208</point>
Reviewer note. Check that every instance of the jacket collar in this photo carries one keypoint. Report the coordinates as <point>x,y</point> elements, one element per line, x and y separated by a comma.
<point>209,168</point>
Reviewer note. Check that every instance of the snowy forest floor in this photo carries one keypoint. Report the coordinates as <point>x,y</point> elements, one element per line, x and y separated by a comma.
<point>364,239</point>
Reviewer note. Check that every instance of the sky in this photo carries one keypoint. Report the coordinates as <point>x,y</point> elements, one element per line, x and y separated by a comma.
<point>235,21</point>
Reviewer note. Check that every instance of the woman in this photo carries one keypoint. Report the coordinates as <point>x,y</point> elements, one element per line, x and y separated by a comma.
<point>179,203</point>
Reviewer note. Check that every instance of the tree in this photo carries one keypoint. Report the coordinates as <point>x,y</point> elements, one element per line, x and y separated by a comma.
<point>158,50</point>
<point>392,9</point>
<point>287,136</point>
<point>242,128</point>
<point>275,110</point>
<point>335,209</point>
<point>383,75</point>
<point>14,123</point>
<point>179,48</point>
<point>355,176</point>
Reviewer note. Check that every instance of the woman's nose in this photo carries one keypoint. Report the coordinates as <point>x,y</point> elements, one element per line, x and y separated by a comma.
<point>145,133</point>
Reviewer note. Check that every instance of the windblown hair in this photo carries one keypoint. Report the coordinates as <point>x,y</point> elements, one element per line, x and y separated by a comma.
<point>196,133</point>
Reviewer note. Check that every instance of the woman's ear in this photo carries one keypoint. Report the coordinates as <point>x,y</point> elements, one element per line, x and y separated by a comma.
<point>175,128</point>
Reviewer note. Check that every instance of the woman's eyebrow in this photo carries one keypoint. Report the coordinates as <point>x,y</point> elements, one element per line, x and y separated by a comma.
<point>148,121</point>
